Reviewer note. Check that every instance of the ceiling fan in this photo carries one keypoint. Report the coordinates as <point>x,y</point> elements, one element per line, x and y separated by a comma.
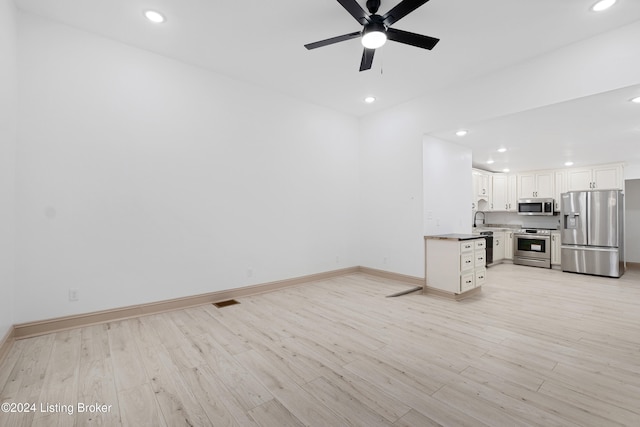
<point>376,29</point>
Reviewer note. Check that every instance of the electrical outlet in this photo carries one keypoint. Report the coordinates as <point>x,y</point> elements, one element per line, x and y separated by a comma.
<point>73,295</point>
<point>384,260</point>
<point>249,272</point>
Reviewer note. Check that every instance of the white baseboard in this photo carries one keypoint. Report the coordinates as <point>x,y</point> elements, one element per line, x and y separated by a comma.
<point>41,327</point>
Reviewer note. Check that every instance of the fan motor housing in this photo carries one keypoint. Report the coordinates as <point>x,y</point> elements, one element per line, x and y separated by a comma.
<point>374,25</point>
<point>373,6</point>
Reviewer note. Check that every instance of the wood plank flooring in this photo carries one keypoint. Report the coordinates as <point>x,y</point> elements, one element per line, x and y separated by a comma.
<point>535,348</point>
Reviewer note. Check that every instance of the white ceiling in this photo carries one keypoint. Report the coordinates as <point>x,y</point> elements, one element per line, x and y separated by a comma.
<point>261,42</point>
<point>596,129</point>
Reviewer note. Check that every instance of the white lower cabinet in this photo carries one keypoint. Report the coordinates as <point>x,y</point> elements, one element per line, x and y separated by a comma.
<point>555,248</point>
<point>481,275</point>
<point>498,246</point>
<point>455,265</point>
<point>508,245</point>
<point>467,282</point>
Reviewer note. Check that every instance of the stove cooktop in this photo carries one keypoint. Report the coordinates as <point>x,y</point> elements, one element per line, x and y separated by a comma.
<point>535,230</point>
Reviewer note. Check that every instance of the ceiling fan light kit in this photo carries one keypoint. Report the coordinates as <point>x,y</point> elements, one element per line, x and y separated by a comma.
<point>376,28</point>
<point>374,35</point>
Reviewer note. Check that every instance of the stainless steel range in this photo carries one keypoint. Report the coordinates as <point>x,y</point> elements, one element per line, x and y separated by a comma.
<point>532,246</point>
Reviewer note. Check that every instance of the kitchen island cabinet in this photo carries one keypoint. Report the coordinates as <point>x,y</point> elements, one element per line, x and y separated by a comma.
<point>455,264</point>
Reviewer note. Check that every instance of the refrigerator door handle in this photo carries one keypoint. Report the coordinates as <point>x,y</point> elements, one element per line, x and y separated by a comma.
<point>589,248</point>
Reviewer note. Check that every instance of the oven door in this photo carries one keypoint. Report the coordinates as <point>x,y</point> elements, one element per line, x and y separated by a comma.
<point>531,246</point>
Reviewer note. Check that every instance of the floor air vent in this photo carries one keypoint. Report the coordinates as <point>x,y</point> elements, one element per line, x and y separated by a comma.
<point>222,304</point>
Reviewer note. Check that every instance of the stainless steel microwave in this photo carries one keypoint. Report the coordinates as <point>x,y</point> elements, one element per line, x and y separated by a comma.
<point>535,207</point>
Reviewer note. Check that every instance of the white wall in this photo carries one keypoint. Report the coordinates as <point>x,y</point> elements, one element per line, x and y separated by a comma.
<point>141,178</point>
<point>632,220</point>
<point>632,171</point>
<point>391,140</point>
<point>447,187</point>
<point>8,82</point>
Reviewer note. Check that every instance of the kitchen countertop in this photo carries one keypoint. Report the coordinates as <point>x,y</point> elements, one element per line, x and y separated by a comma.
<point>453,237</point>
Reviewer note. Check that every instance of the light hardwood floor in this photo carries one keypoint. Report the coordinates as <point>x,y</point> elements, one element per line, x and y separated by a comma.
<point>536,347</point>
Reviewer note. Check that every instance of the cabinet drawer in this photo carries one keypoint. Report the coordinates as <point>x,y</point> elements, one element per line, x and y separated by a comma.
<point>467,262</point>
<point>466,282</point>
<point>480,244</point>
<point>479,259</point>
<point>467,246</point>
<point>481,276</point>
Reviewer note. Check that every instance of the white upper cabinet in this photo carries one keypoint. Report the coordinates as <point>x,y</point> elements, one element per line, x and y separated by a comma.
<point>504,196</point>
<point>559,188</point>
<point>526,185</point>
<point>512,193</point>
<point>482,182</point>
<point>578,179</point>
<point>500,193</point>
<point>610,177</point>
<point>605,177</point>
<point>535,184</point>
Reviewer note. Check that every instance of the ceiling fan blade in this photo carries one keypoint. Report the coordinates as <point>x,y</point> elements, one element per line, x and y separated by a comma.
<point>401,10</point>
<point>333,40</point>
<point>417,40</point>
<point>367,59</point>
<point>355,10</point>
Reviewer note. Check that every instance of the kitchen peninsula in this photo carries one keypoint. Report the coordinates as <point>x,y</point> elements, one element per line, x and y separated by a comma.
<point>455,265</point>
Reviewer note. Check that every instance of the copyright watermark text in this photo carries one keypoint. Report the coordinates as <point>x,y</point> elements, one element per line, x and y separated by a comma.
<point>55,408</point>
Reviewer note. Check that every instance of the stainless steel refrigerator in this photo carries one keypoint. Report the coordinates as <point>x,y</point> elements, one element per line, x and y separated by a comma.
<point>593,232</point>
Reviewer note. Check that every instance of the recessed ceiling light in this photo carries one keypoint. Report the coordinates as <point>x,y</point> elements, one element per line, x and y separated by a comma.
<point>154,16</point>
<point>462,132</point>
<point>636,100</point>
<point>568,163</point>
<point>501,150</point>
<point>603,5</point>
<point>489,162</point>
<point>505,170</point>
<point>370,99</point>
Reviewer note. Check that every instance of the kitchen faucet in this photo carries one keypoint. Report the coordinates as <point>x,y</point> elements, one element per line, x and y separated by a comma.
<point>475,217</point>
